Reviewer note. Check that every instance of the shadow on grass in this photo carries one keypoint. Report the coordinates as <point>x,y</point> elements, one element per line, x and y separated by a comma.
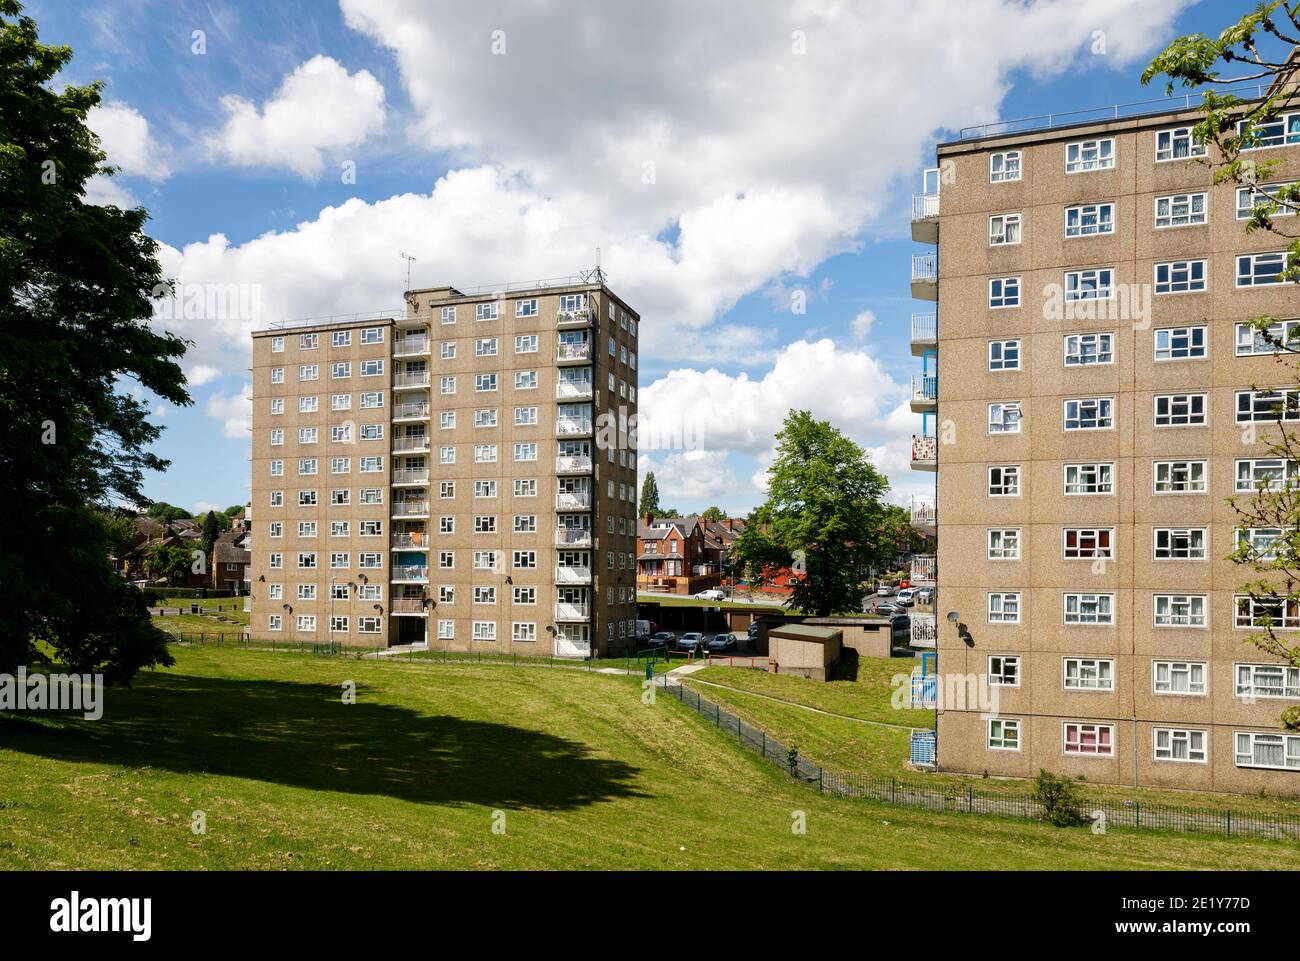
<point>302,735</point>
<point>846,668</point>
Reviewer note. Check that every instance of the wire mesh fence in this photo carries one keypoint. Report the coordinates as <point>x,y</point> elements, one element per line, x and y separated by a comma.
<point>959,799</point>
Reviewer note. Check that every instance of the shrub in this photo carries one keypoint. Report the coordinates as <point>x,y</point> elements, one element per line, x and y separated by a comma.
<point>1062,803</point>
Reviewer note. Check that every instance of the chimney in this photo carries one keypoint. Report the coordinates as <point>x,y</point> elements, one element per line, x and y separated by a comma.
<point>649,519</point>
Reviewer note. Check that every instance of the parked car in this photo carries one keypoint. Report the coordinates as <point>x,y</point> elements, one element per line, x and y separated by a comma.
<point>924,595</point>
<point>644,629</point>
<point>883,608</point>
<point>900,625</point>
<point>906,597</point>
<point>690,641</point>
<point>721,644</point>
<point>662,639</point>
<point>887,590</point>
<point>712,594</point>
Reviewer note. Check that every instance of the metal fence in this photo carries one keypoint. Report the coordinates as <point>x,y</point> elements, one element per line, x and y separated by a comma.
<point>968,800</point>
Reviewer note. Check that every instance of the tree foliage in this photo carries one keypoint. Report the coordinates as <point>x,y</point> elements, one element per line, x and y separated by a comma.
<point>76,287</point>
<point>714,514</point>
<point>649,495</point>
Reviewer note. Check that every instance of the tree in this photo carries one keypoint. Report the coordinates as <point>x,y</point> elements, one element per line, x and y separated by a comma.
<point>823,517</point>
<point>169,561</point>
<point>165,513</point>
<point>77,283</point>
<point>1230,127</point>
<point>211,531</point>
<point>649,496</point>
<point>714,514</point>
<point>233,511</point>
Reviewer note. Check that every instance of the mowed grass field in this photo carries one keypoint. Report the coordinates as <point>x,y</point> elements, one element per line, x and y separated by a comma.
<point>414,774</point>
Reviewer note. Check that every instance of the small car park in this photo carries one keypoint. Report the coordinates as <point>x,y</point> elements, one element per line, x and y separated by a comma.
<point>721,644</point>
<point>712,594</point>
<point>690,642</point>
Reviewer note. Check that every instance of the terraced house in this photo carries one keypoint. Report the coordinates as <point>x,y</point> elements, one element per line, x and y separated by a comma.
<point>1101,398</point>
<point>459,474</point>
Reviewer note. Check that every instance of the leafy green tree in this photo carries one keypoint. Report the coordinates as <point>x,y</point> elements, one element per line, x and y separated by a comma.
<point>823,518</point>
<point>170,561</point>
<point>1229,127</point>
<point>76,287</point>
<point>649,495</point>
<point>714,514</point>
<point>211,531</point>
<point>165,513</point>
<point>233,511</point>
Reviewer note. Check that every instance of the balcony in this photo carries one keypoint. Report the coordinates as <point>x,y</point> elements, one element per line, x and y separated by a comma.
<point>412,540</point>
<point>924,570</point>
<point>410,508</point>
<point>572,575</point>
<point>408,605</point>
<point>410,475</point>
<point>925,276</point>
<point>925,452</point>
<point>924,513</point>
<point>572,537</point>
<point>572,612</point>
<point>573,353</point>
<point>248,603</point>
<point>925,631</point>
<point>582,317</point>
<point>573,464</point>
<point>572,426</point>
<point>925,333</point>
<point>411,380</point>
<point>572,390</point>
<point>925,392</point>
<point>411,347</point>
<point>416,411</point>
<point>418,442</point>
<point>410,575</point>
<point>925,218</point>
<point>573,501</point>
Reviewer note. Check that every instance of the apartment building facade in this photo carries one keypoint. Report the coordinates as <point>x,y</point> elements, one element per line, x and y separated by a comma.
<point>1101,398</point>
<point>461,474</point>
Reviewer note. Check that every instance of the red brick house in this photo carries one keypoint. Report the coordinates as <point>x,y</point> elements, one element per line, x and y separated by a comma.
<point>674,556</point>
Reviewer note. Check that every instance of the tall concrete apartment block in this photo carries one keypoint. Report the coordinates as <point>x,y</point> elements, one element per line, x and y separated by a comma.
<point>458,475</point>
<point>1101,398</point>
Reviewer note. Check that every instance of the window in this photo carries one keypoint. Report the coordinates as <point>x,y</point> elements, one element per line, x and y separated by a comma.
<point>1089,155</point>
<point>1280,751</point>
<point>372,431</point>
<point>277,375</point>
<point>526,308</point>
<point>1267,680</point>
<point>308,341</point>
<point>1004,544</point>
<point>1265,406</point>
<point>485,311</point>
<point>1004,608</point>
<point>309,371</point>
<point>307,622</point>
<point>526,452</point>
<point>1179,543</point>
<point>1180,343</point>
<point>1248,198</point>
<point>307,560</point>
<point>485,417</point>
<point>485,382</point>
<point>1178,677</point>
<point>1178,744</point>
<point>448,315</point>
<point>485,347</point>
<point>485,488</point>
<point>340,369</point>
<point>372,399</point>
<point>525,416</point>
<point>525,524</point>
<point>1090,413</point>
<point>277,405</point>
<point>1282,130</point>
<point>524,559</point>
<point>1178,144</point>
<point>1095,284</point>
<point>525,487</point>
<point>485,524</point>
<point>1178,477</point>
<point>1277,612</point>
<point>1088,543</point>
<point>1180,410</point>
<point>1084,349</point>
<point>485,595</point>
<point>1089,673</point>
<point>447,385</point>
<point>307,466</point>
<point>1279,337</point>
<point>1089,220</point>
<point>1004,355</point>
<point>1260,270</point>
<point>485,453</point>
<point>1004,292</point>
<point>526,344</point>
<point>446,489</point>
<point>446,630</point>
<point>1180,277</point>
<point>1083,479</point>
<point>446,560</point>
<point>1181,210</point>
<point>372,335</point>
<point>523,632</point>
<point>1004,734</point>
<point>1272,473</point>
<point>1004,670</point>
<point>372,368</point>
<point>1004,418</point>
<point>1004,481</point>
<point>308,405</point>
<point>1004,230</point>
<point>1089,609</point>
<point>525,595</point>
<point>447,350</point>
<point>1095,740</point>
<point>1179,610</point>
<point>277,345</point>
<point>485,630</point>
<point>1004,166</point>
<point>524,380</point>
<point>277,437</point>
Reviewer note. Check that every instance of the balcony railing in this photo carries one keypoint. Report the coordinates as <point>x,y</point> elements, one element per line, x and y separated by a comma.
<point>415,539</point>
<point>573,351</point>
<point>573,464</point>
<point>572,575</point>
<point>925,631</point>
<point>572,612</point>
<point>925,206</point>
<point>925,448</point>
<point>925,387</point>
<point>924,512</point>
<point>406,574</point>
<point>566,389</point>
<point>411,380</point>
<point>407,605</point>
<point>410,346</point>
<point>572,537</point>
<point>925,327</point>
<point>924,569</point>
<point>573,500</point>
<point>416,442</point>
<point>411,475</point>
<point>411,410</point>
<point>581,317</point>
<point>925,267</point>
<point>410,508</point>
<point>572,426</point>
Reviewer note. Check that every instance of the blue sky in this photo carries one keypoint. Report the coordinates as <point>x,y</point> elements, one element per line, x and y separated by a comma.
<point>774,171</point>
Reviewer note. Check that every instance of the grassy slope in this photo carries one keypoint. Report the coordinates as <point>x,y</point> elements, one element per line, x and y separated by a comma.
<point>409,777</point>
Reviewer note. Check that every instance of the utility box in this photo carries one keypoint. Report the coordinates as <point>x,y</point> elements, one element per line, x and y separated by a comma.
<point>803,650</point>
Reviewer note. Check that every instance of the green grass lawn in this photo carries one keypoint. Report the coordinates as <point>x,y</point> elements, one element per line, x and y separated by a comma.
<point>410,776</point>
<point>192,623</point>
<point>853,747</point>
